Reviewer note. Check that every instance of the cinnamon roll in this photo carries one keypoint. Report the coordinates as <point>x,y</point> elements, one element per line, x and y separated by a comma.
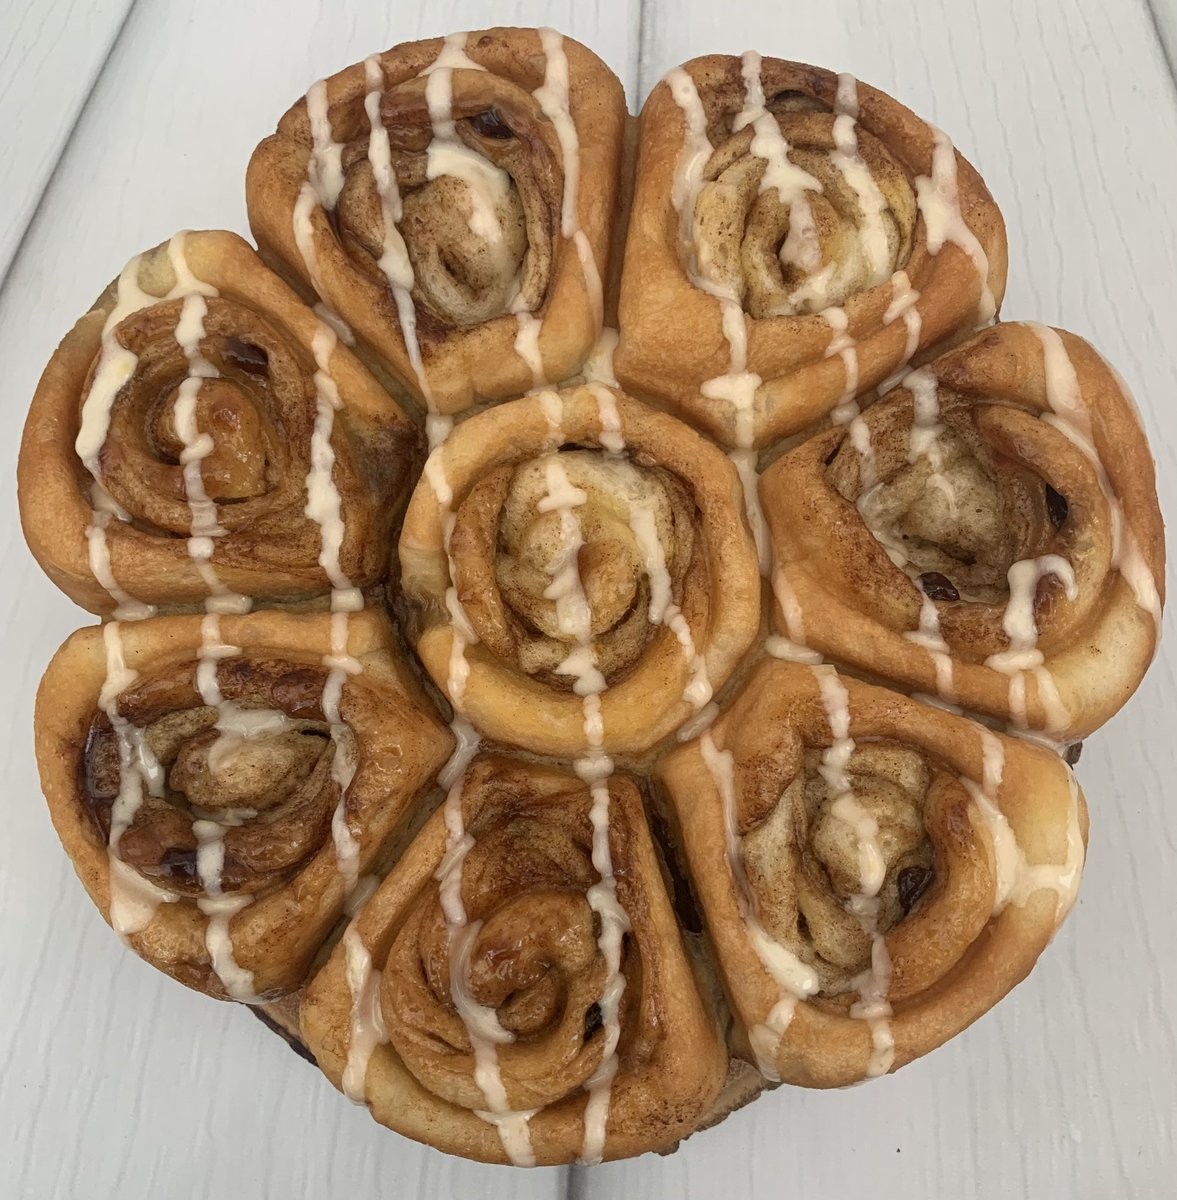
<point>222,785</point>
<point>875,873</point>
<point>452,200</point>
<point>517,989</point>
<point>988,532</point>
<point>796,238</point>
<point>579,572</point>
<point>195,433</point>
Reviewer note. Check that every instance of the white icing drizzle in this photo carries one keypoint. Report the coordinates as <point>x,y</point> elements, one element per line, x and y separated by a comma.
<point>846,158</point>
<point>845,807</point>
<point>330,317</point>
<point>574,619</point>
<point>555,103</point>
<point>197,447</point>
<point>796,979</point>
<point>738,388</point>
<point>923,437</point>
<point>846,348</point>
<point>873,984</point>
<point>553,99</point>
<point>452,56</point>
<point>220,910</point>
<point>663,610</point>
<point>610,436</point>
<point>133,899</point>
<point>116,365</point>
<point>791,647</point>
<point>482,1024</point>
<point>447,154</point>
<point>1015,879</point>
<point>324,506</point>
<point>323,183</point>
<point>904,299</point>
<point>938,198</point>
<point>931,639</point>
<point>367,1020</point>
<point>325,169</point>
<point>1071,415</point>
<point>598,367</point>
<point>791,182</point>
<point>1023,654</point>
<point>394,261</point>
<point>527,343</point>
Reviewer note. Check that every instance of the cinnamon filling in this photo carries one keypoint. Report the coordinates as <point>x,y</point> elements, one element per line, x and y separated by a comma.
<point>260,775</point>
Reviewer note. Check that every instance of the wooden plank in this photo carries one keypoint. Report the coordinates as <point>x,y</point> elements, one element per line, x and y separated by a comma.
<point>50,55</point>
<point>1066,1089</point>
<point>115,1080</point>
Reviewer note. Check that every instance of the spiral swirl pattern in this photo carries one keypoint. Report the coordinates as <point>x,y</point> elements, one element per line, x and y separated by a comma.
<point>800,236</point>
<point>452,200</point>
<point>891,870</point>
<point>987,534</point>
<point>223,840</point>
<point>508,1002</point>
<point>569,524</point>
<point>167,452</point>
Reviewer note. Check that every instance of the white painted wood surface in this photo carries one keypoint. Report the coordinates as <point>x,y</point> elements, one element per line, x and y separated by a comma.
<point>115,1082</point>
<point>50,56</point>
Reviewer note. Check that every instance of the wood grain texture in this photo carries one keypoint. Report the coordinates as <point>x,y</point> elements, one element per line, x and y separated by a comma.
<point>114,1081</point>
<point>51,53</point>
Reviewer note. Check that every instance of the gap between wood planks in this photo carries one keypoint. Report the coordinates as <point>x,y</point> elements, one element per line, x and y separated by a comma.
<point>35,211</point>
<point>1162,14</point>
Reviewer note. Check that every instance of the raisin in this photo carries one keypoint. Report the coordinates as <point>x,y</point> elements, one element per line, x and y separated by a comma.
<point>1057,506</point>
<point>245,356</point>
<point>490,124</point>
<point>592,1020</point>
<point>912,883</point>
<point>938,587</point>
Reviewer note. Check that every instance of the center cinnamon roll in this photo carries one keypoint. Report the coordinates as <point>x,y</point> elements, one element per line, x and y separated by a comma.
<point>573,550</point>
<point>622,506</point>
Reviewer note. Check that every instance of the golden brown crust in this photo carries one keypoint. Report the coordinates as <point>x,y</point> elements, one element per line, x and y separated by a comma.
<point>782,898</point>
<point>925,777</point>
<point>524,881</point>
<point>262,404</point>
<point>400,747</point>
<point>693,497</point>
<point>672,337</point>
<point>1002,449</point>
<point>469,351</point>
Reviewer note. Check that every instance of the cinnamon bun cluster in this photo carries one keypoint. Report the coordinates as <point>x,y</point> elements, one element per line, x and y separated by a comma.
<point>565,746</point>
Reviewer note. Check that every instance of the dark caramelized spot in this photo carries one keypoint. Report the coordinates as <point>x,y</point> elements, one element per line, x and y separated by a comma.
<point>912,883</point>
<point>245,356</point>
<point>938,587</point>
<point>592,1020</point>
<point>686,907</point>
<point>1072,752</point>
<point>1057,506</point>
<point>490,124</point>
<point>178,864</point>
